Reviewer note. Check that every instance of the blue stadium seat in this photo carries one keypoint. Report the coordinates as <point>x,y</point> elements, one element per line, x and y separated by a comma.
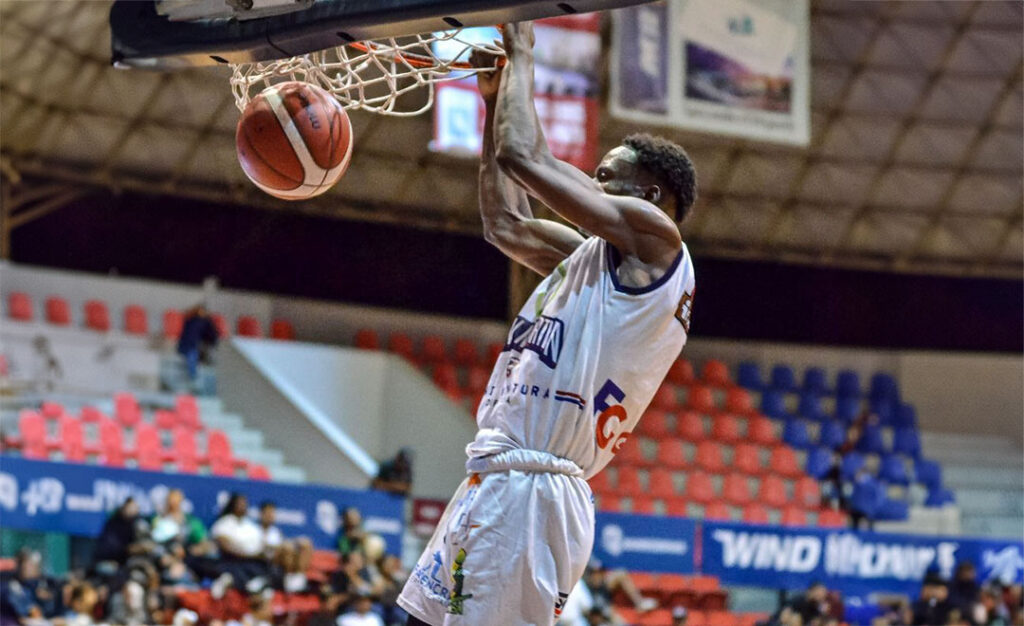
<point>819,462</point>
<point>783,378</point>
<point>832,434</point>
<point>890,509</point>
<point>928,473</point>
<point>851,464</point>
<point>892,470</point>
<point>885,409</point>
<point>906,416</point>
<point>748,375</point>
<point>815,380</point>
<point>795,434</point>
<point>848,383</point>
<point>847,408</point>
<point>810,406</point>
<point>907,441</point>
<point>871,440</point>
<point>867,497</point>
<point>939,496</point>
<point>884,386</point>
<point>773,404</point>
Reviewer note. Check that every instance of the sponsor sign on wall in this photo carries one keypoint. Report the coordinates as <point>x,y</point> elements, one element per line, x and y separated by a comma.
<point>645,543</point>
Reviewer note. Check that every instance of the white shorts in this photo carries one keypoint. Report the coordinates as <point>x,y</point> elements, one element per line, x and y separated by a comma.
<point>511,545</point>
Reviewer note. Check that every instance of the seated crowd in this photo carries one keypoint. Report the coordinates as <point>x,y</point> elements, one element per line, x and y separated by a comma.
<point>143,567</point>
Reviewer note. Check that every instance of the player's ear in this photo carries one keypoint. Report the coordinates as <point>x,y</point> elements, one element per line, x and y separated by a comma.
<point>652,193</point>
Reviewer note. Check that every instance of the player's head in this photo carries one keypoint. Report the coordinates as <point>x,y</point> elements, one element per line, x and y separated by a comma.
<point>652,168</point>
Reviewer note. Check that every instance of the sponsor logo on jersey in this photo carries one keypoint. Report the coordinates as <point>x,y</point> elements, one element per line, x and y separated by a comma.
<point>560,603</point>
<point>426,576</point>
<point>684,311</point>
<point>544,336</point>
<point>456,603</point>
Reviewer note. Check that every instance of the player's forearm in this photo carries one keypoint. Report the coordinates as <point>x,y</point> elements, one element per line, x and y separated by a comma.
<point>500,198</point>
<point>518,134</point>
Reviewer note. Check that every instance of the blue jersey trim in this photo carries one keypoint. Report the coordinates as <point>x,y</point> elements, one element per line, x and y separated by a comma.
<point>615,258</point>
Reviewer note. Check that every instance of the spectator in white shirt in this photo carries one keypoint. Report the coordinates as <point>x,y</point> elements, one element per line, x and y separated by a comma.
<point>361,613</point>
<point>293,556</point>
<point>240,540</point>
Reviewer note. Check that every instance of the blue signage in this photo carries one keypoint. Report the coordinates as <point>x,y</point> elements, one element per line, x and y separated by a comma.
<point>645,543</point>
<point>77,499</point>
<point>856,563</point>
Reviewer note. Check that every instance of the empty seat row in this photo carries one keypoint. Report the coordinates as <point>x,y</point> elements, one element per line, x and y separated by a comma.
<point>751,512</point>
<point>689,425</point>
<point>815,380</point>
<point>135,320</point>
<point>709,456</point>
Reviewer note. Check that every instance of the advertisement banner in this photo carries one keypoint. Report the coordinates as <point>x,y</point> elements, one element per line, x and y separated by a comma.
<point>77,499</point>
<point>567,55</point>
<point>734,67</point>
<point>645,543</point>
<point>856,563</point>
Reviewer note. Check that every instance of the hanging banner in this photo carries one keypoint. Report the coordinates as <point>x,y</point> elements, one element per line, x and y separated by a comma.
<point>734,67</point>
<point>567,55</point>
<point>77,499</point>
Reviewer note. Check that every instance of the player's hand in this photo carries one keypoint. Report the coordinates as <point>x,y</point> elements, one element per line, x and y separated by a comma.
<point>487,82</point>
<point>518,38</point>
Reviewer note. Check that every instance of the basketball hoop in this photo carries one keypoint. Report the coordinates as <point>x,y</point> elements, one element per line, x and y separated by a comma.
<point>371,75</point>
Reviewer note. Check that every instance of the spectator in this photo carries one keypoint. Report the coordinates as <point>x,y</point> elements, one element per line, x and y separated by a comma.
<point>352,578</point>
<point>990,609</point>
<point>136,602</point>
<point>28,595</point>
<point>261,612</point>
<point>598,616</point>
<point>395,476</point>
<point>963,589</point>
<point>933,606</point>
<point>292,556</point>
<point>361,613</point>
<point>123,535</point>
<point>595,590</point>
<point>351,536</point>
<point>813,604</point>
<point>240,541</point>
<point>83,600</point>
<point>394,577</point>
<point>198,336</point>
<point>679,616</point>
<point>182,538</point>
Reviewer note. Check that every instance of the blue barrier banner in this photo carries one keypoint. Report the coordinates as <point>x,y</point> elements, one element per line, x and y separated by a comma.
<point>645,543</point>
<point>77,499</point>
<point>856,563</point>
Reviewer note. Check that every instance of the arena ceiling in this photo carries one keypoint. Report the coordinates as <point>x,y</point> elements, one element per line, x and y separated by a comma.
<point>915,162</point>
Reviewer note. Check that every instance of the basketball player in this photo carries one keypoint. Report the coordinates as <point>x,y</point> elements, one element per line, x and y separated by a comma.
<point>582,361</point>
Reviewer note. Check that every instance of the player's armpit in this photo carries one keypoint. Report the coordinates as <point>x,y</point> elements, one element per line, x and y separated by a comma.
<point>538,244</point>
<point>633,225</point>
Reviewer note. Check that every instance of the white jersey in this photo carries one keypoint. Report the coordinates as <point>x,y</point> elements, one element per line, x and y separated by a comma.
<point>584,358</point>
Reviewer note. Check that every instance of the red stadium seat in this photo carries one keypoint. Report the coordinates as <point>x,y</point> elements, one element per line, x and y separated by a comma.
<point>221,324</point>
<point>185,451</point>
<point>96,315</point>
<point>466,352</point>
<point>135,320</point>
<point>282,330</point>
<point>657,617</point>
<point>445,376</point>
<point>433,350</point>
<point>690,426</point>
<point>807,493</point>
<point>720,618</point>
<point>258,472</point>
<point>111,443</point>
<point>19,306</point>
<point>478,378</point>
<point>665,398</point>
<point>126,410</point>
<point>218,453</point>
<point>772,492</point>
<point>761,430</point>
<point>681,372</point>
<point>783,462</point>
<point>601,483</point>
<point>794,516</point>
<point>367,339</point>
<point>736,489</point>
<point>52,410</point>
<point>90,414</point>
<point>738,401</point>
<point>654,424</point>
<point>628,482</point>
<point>401,344</point>
<point>746,458</point>
<point>609,502</point>
<point>716,374</point>
<point>248,326</point>
<point>164,419</point>
<point>717,510</point>
<point>709,457</point>
<point>699,488</point>
<point>188,412</point>
<point>677,507</point>
<point>725,428</point>
<point>631,454</point>
<point>660,484</point>
<point>148,451</point>
<point>675,589</point>
<point>754,513</point>
<point>671,454</point>
<point>830,518</point>
<point>32,435</point>
<point>493,351</point>
<point>642,505</point>
<point>173,322</point>
<point>57,311</point>
<point>699,399</point>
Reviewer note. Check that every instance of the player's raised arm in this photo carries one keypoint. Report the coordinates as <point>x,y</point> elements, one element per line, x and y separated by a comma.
<point>618,206</point>
<point>504,206</point>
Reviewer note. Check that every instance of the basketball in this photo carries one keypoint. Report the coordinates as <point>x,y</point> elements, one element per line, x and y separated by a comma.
<point>294,140</point>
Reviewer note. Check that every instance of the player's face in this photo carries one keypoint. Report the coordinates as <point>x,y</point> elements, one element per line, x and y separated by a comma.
<point>618,173</point>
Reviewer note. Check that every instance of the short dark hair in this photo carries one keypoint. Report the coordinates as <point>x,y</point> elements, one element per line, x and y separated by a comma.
<point>670,164</point>
<point>267,504</point>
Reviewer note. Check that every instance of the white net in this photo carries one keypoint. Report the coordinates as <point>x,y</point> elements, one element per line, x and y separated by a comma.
<point>372,75</point>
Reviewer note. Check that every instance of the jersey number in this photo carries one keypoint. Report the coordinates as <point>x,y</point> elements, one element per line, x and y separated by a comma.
<point>611,417</point>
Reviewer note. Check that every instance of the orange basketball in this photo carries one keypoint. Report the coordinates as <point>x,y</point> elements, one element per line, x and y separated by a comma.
<point>294,140</point>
